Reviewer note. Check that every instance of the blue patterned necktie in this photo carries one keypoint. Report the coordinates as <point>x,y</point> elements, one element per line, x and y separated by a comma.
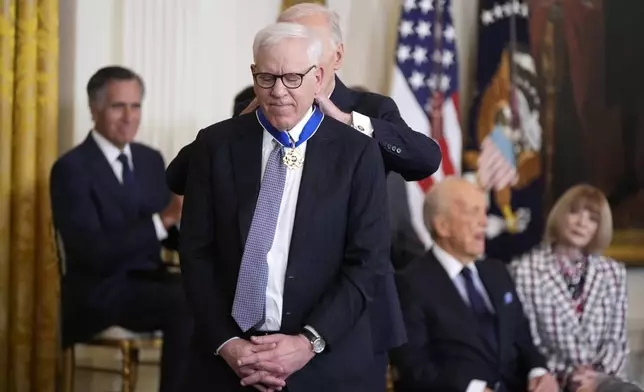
<point>485,318</point>
<point>250,295</point>
<point>127,173</point>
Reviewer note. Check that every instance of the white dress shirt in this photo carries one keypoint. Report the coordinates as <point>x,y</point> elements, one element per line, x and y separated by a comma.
<point>277,257</point>
<point>453,268</point>
<point>111,153</point>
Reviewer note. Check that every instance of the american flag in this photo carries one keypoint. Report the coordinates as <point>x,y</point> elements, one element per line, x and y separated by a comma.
<point>425,88</point>
<point>505,151</point>
<point>497,162</point>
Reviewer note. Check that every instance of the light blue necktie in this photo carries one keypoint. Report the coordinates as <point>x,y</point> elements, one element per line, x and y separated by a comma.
<point>250,296</point>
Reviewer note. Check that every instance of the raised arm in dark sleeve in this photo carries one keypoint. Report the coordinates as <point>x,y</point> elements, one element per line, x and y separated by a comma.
<point>196,250</point>
<point>366,252</point>
<point>407,152</point>
<point>86,239</point>
<point>177,171</point>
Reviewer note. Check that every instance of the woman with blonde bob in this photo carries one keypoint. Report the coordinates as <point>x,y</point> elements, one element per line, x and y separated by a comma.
<point>573,297</point>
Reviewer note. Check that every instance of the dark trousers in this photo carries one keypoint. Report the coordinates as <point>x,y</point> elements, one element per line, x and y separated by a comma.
<point>158,303</point>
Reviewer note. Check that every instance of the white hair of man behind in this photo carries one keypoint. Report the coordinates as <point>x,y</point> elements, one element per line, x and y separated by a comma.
<point>303,10</point>
<point>274,34</point>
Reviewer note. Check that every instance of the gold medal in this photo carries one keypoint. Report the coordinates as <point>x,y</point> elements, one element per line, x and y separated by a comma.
<point>292,158</point>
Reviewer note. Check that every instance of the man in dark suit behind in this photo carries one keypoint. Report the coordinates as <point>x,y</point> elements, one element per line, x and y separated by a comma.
<point>405,151</point>
<point>281,247</point>
<point>465,324</point>
<point>112,208</point>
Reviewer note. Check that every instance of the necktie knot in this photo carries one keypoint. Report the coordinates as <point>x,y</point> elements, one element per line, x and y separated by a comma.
<point>124,161</point>
<point>127,174</point>
<point>467,273</point>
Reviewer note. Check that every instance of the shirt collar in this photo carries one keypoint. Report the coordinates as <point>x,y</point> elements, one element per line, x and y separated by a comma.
<point>299,127</point>
<point>110,151</point>
<point>452,266</point>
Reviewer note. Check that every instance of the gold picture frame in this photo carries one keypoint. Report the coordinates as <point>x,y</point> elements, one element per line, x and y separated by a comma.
<point>627,247</point>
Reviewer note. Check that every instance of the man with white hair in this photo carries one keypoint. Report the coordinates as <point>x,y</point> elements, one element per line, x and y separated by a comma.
<point>280,295</point>
<point>404,151</point>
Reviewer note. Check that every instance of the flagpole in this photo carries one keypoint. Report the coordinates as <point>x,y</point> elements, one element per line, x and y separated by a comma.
<point>515,121</point>
<point>436,107</point>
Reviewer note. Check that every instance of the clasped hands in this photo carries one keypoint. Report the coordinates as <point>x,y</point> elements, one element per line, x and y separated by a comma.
<point>265,362</point>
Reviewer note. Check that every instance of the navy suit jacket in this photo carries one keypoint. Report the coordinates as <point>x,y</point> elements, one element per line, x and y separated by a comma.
<point>445,351</point>
<point>339,246</point>
<point>107,232</point>
<point>405,151</point>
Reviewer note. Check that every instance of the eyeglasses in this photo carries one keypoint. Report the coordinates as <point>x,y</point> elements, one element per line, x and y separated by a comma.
<point>289,80</point>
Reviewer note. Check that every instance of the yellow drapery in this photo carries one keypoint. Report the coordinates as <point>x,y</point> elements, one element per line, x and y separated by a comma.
<point>28,147</point>
<point>288,3</point>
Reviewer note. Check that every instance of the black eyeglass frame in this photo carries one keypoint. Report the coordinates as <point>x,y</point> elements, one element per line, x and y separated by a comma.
<point>281,77</point>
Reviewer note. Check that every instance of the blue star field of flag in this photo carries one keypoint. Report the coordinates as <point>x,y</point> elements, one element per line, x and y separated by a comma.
<point>426,51</point>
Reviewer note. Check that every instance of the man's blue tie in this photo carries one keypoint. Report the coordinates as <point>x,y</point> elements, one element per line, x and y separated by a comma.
<point>250,296</point>
<point>127,173</point>
<point>485,318</point>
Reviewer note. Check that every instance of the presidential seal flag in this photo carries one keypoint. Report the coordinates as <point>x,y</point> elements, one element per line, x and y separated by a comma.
<point>503,146</point>
<point>425,88</point>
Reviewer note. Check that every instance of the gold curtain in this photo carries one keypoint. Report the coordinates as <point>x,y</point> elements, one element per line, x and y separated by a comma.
<point>28,147</point>
<point>288,3</point>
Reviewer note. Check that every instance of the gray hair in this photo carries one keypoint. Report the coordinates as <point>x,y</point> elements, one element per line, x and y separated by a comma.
<point>302,10</point>
<point>434,204</point>
<point>273,34</point>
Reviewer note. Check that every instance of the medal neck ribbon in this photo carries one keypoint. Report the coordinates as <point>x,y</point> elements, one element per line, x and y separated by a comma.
<point>282,137</point>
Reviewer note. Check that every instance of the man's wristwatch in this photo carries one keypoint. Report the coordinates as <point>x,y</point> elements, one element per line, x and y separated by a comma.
<point>317,342</point>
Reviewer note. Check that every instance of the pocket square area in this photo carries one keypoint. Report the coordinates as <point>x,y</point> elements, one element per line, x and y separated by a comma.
<point>507,298</point>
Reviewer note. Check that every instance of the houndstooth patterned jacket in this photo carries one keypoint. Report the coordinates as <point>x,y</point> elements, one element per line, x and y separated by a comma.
<point>599,338</point>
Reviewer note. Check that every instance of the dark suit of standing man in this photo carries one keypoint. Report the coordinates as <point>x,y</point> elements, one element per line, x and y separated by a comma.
<point>409,153</point>
<point>465,323</point>
<point>280,260</point>
<point>112,208</point>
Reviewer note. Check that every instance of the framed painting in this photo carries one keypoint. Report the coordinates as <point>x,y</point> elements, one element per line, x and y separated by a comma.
<point>592,81</point>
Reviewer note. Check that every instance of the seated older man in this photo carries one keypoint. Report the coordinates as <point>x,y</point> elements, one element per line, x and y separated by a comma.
<point>465,324</point>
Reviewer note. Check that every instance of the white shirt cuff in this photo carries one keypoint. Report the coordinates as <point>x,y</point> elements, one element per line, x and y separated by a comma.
<point>224,343</point>
<point>162,233</point>
<point>537,372</point>
<point>476,386</point>
<point>362,123</point>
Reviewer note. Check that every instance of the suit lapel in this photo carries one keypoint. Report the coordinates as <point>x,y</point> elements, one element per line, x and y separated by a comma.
<point>343,97</point>
<point>104,177</point>
<point>500,299</point>
<point>555,287</point>
<point>315,174</point>
<point>591,290</point>
<point>451,296</point>
<point>246,152</point>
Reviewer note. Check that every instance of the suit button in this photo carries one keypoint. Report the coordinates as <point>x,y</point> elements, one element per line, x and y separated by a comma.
<point>290,277</point>
<point>398,150</point>
<point>288,313</point>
